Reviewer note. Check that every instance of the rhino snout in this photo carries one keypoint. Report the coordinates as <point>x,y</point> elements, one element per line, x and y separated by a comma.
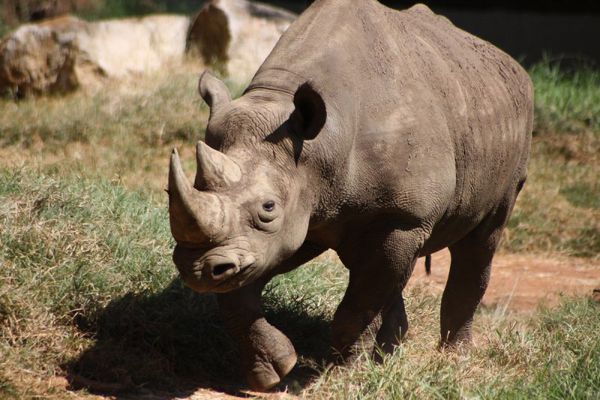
<point>221,267</point>
<point>206,271</point>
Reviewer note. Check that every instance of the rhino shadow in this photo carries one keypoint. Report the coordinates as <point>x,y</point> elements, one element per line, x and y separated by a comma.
<point>172,343</point>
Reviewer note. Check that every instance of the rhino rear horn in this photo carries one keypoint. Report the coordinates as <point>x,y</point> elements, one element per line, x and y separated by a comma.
<point>310,113</point>
<point>213,91</point>
<point>214,169</point>
<point>195,217</point>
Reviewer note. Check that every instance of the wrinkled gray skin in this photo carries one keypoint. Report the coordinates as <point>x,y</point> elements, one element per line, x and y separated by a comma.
<point>383,135</point>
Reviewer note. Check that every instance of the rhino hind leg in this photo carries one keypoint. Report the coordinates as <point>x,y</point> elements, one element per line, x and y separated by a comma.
<point>469,275</point>
<point>373,306</point>
<point>467,281</point>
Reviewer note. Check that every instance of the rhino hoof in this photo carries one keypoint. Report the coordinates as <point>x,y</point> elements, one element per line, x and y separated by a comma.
<point>268,357</point>
<point>265,375</point>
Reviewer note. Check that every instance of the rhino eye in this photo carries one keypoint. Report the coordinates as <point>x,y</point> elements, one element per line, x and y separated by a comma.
<point>269,206</point>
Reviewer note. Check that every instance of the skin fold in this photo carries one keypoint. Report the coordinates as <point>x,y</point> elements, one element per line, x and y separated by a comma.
<point>384,135</point>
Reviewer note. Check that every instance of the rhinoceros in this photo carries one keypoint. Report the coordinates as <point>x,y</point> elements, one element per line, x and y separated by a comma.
<point>384,135</point>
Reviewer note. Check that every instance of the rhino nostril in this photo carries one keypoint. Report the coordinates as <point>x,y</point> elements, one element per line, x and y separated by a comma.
<point>223,270</point>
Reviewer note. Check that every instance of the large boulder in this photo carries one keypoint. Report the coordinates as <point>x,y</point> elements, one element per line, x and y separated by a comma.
<point>65,53</point>
<point>134,45</point>
<point>40,58</point>
<point>235,36</point>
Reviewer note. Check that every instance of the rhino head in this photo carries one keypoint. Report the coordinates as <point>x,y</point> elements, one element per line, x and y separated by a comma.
<point>249,206</point>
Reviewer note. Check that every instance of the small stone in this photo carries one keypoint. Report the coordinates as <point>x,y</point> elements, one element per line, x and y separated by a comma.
<point>596,295</point>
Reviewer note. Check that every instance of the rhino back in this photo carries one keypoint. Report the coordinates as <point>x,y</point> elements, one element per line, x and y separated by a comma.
<point>424,119</point>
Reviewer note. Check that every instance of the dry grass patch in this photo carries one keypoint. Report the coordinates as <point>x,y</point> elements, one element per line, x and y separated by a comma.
<point>558,211</point>
<point>122,131</point>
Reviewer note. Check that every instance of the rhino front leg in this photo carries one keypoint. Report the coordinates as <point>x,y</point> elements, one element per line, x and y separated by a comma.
<point>267,354</point>
<point>394,325</point>
<point>380,265</point>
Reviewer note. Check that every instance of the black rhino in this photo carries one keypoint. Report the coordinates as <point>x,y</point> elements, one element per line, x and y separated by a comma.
<point>384,135</point>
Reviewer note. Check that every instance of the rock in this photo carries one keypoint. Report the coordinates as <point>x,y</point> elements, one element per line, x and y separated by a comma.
<point>39,58</point>
<point>596,295</point>
<point>134,45</point>
<point>61,54</point>
<point>235,36</point>
<point>65,53</point>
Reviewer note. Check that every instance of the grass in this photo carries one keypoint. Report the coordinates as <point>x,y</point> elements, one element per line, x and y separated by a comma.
<point>165,110</point>
<point>88,290</point>
<point>549,356</point>
<point>119,130</point>
<point>125,8</point>
<point>4,28</point>
<point>566,101</point>
<point>67,251</point>
<point>563,187</point>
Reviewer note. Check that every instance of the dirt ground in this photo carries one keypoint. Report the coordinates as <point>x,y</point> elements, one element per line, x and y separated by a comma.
<point>521,282</point>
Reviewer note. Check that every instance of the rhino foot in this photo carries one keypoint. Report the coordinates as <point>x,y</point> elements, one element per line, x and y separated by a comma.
<point>268,356</point>
<point>460,342</point>
<point>264,375</point>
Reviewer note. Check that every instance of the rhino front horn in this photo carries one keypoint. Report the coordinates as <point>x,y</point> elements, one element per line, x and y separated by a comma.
<point>195,217</point>
<point>215,169</point>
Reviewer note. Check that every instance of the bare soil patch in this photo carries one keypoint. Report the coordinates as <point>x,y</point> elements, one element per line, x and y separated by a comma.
<point>521,282</point>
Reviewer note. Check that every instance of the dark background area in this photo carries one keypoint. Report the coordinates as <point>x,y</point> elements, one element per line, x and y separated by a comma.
<point>543,6</point>
<point>559,30</point>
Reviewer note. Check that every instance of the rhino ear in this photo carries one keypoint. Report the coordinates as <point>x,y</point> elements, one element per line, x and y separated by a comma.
<point>213,91</point>
<point>310,113</point>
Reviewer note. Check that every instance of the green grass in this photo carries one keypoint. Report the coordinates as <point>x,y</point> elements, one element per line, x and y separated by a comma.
<point>127,8</point>
<point>68,248</point>
<point>566,102</point>
<point>4,28</point>
<point>558,209</point>
<point>88,289</point>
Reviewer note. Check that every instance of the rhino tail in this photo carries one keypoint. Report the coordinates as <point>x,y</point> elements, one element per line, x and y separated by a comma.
<point>428,264</point>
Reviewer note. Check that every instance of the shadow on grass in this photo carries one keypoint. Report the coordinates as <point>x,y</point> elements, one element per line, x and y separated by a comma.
<point>172,343</point>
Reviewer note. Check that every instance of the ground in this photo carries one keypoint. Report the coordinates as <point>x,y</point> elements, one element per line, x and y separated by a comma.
<point>519,285</point>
